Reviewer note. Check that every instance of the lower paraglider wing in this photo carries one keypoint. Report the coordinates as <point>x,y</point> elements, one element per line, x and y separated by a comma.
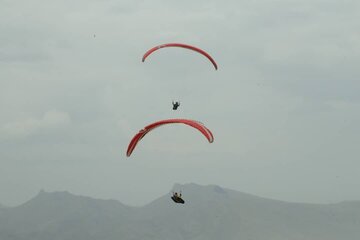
<point>195,124</point>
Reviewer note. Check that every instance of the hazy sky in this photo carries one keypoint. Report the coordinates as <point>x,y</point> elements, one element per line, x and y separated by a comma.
<point>284,106</point>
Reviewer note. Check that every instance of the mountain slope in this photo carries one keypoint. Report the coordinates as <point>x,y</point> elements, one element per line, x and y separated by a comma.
<point>210,212</point>
<point>62,215</point>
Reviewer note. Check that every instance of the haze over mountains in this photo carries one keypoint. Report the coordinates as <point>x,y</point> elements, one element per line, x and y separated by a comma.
<point>210,212</point>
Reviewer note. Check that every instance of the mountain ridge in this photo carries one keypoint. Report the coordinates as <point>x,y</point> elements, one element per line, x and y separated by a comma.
<point>210,212</point>
<point>178,187</point>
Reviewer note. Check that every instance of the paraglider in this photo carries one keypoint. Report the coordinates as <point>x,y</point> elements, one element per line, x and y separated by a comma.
<point>150,51</point>
<point>177,198</point>
<point>175,105</point>
<point>192,123</point>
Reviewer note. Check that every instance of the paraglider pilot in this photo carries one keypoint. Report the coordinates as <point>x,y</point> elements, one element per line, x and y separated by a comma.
<point>175,105</point>
<point>177,198</point>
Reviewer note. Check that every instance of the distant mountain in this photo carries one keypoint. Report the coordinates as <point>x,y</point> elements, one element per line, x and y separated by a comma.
<point>61,215</point>
<point>210,213</point>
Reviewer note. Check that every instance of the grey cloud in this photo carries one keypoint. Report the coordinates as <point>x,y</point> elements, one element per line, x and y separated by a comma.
<point>24,128</point>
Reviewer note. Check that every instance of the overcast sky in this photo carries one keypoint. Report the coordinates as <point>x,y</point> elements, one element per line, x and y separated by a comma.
<point>284,106</point>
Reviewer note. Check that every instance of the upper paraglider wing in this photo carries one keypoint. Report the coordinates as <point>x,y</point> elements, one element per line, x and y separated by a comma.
<point>182,46</point>
<point>199,126</point>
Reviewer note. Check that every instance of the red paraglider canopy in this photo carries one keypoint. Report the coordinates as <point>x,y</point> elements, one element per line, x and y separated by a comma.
<point>192,123</point>
<point>182,46</point>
